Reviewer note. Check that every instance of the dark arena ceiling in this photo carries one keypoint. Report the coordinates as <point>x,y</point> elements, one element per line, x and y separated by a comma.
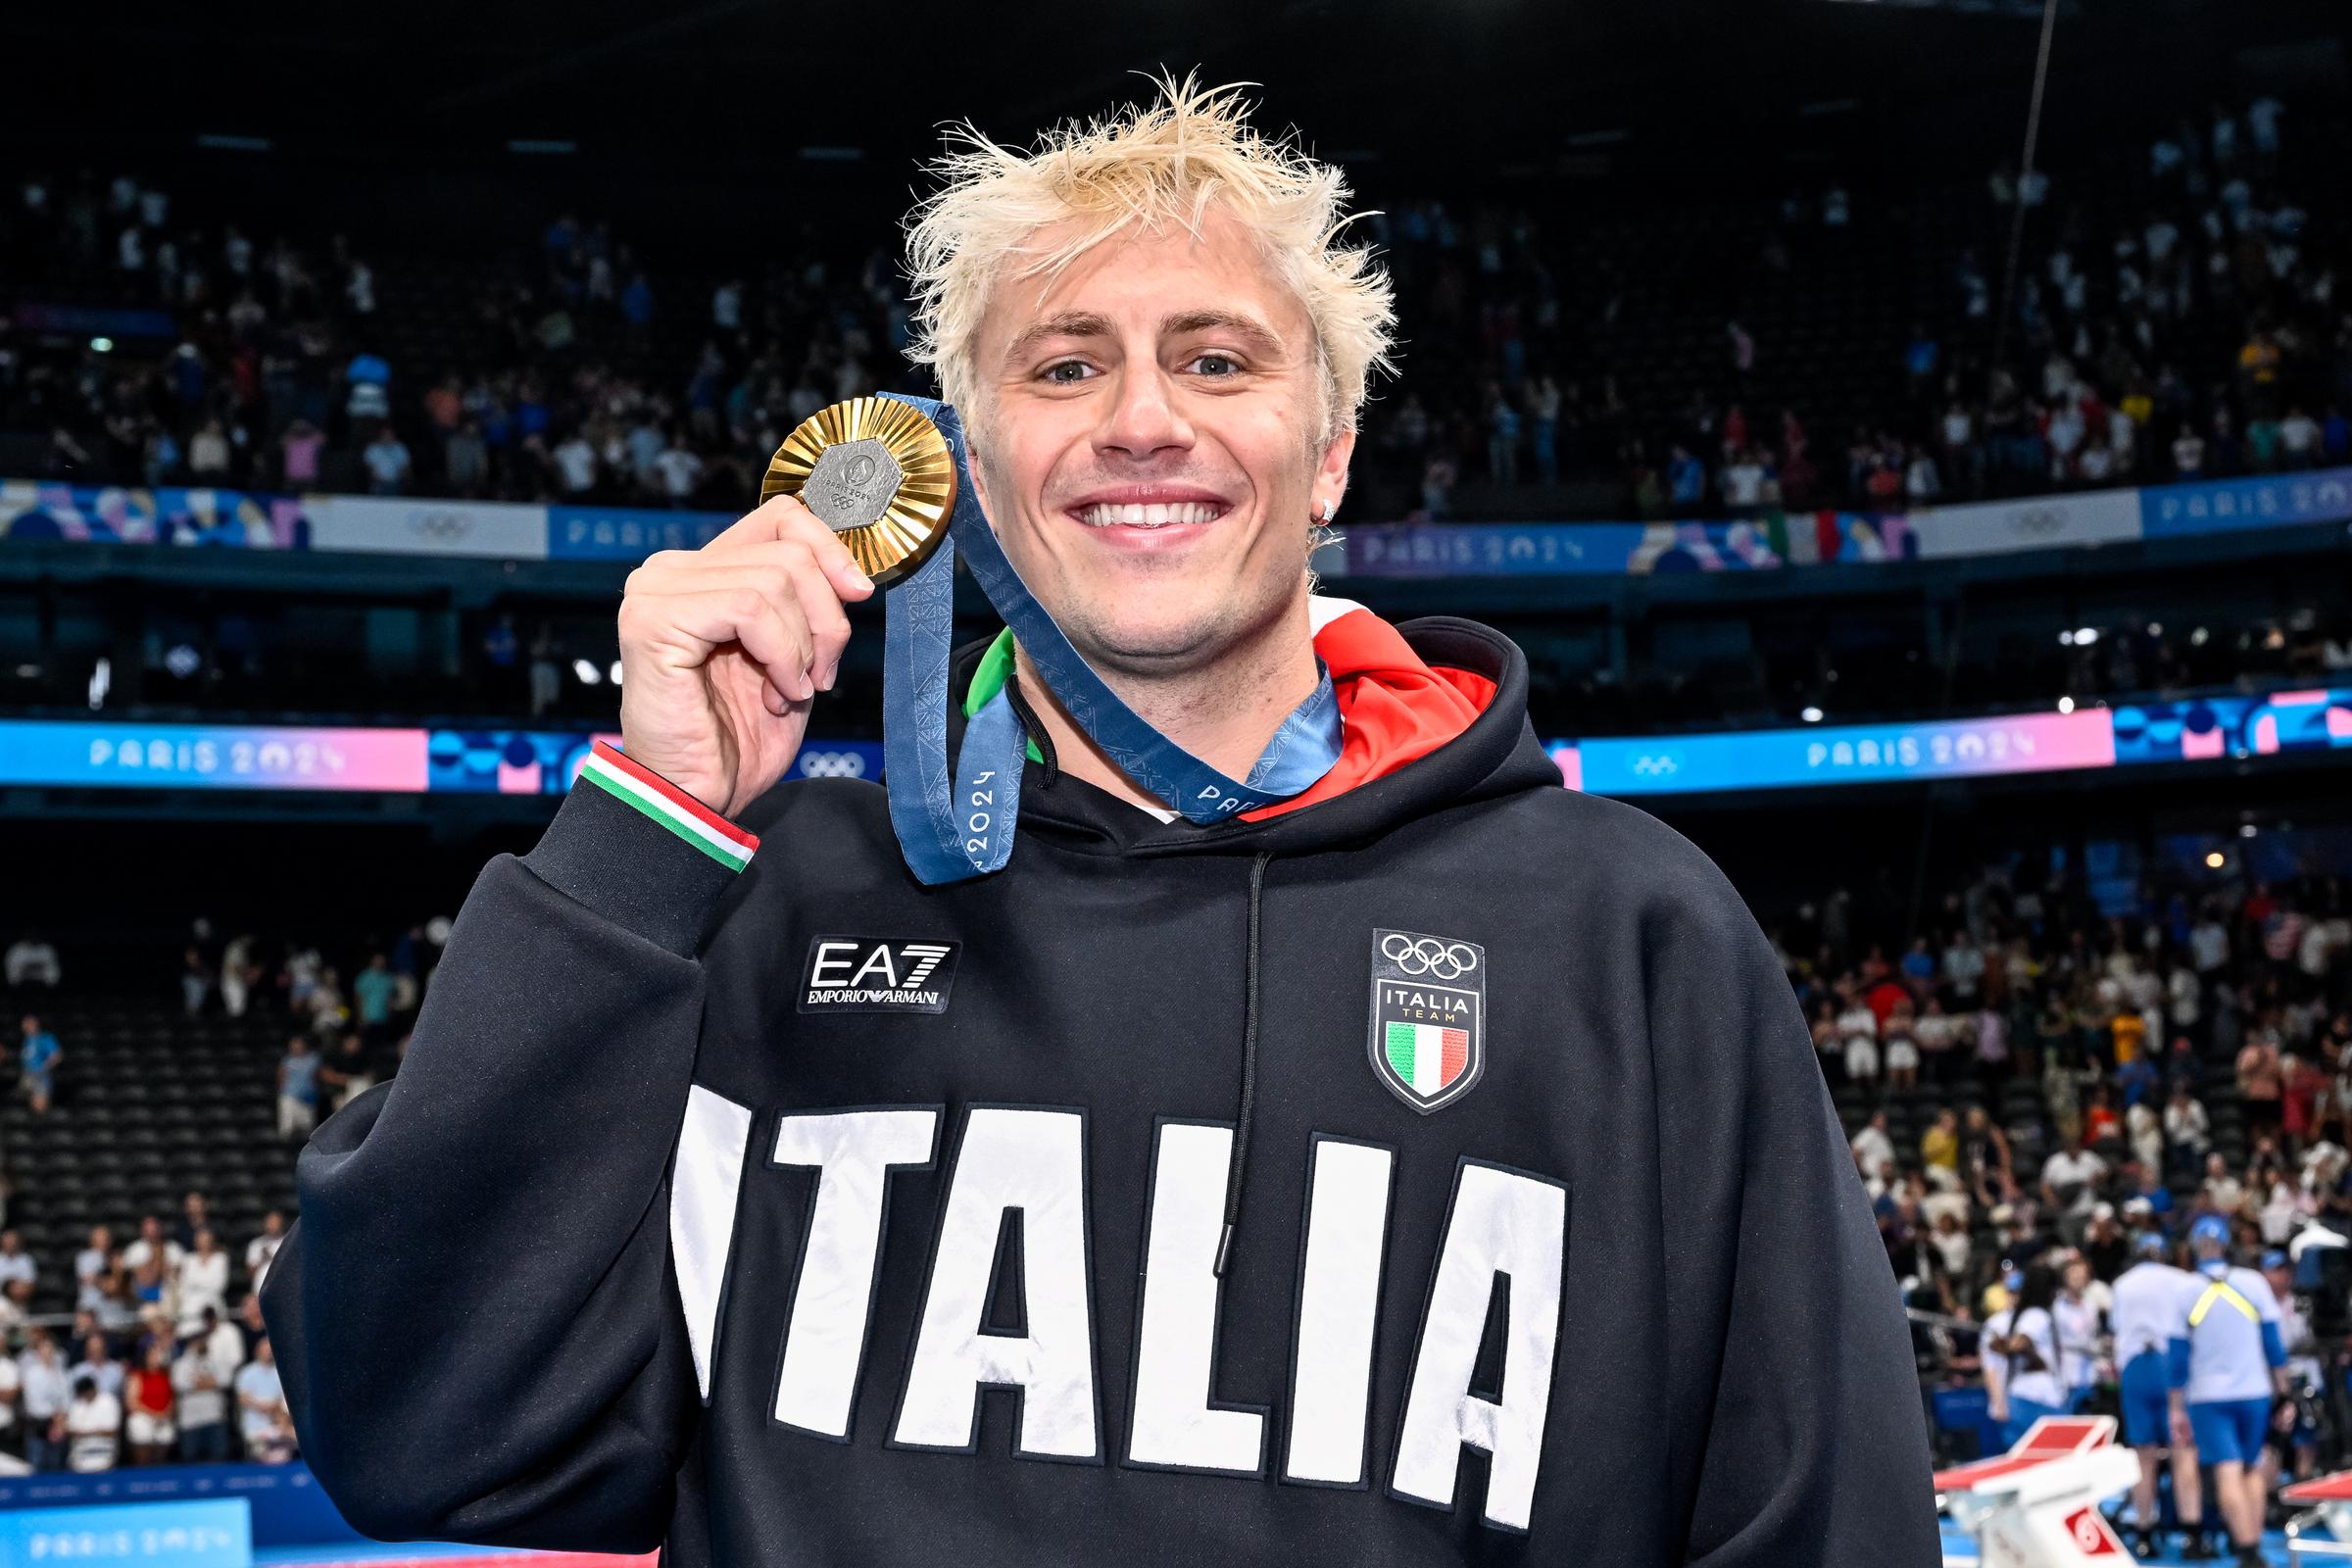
<point>718,98</point>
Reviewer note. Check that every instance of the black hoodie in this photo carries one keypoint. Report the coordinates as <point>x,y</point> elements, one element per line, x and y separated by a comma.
<point>809,1216</point>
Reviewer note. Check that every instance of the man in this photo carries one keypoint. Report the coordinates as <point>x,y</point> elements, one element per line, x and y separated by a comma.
<point>201,1375</point>
<point>297,1089</point>
<point>2290,1451</point>
<point>2225,1361</point>
<point>2069,1181</point>
<point>262,1423</point>
<point>1178,1189</point>
<point>1872,1145</point>
<point>39,1057</point>
<point>2152,1299</point>
<point>41,1370</point>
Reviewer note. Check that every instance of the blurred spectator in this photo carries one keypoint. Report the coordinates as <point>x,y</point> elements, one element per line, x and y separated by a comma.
<point>41,1373</point>
<point>92,1425</point>
<point>373,991</point>
<point>151,1401</point>
<point>40,1057</point>
<point>267,1427</point>
<point>262,1250</point>
<point>201,1384</point>
<point>202,1283</point>
<point>298,1090</point>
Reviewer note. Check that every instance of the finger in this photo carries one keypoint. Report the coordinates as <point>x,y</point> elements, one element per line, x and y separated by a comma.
<point>786,518</point>
<point>770,630</point>
<point>820,600</point>
<point>786,569</point>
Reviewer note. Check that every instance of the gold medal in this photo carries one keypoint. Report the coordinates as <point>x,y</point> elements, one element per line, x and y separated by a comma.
<point>878,473</point>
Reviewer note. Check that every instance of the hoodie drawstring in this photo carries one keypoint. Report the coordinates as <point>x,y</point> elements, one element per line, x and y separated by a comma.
<point>1238,1168</point>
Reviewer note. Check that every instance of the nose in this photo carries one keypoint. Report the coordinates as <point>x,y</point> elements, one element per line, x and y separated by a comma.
<point>1141,419</point>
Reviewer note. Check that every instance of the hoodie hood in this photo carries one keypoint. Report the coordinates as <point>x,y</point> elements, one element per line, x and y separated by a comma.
<point>1434,714</point>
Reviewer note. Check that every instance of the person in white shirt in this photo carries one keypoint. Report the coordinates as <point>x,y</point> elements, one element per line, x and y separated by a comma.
<point>16,1264</point>
<point>93,1427</point>
<point>1860,1028</point>
<point>203,1404</point>
<point>1872,1146</point>
<point>2077,1318</point>
<point>2187,1128</point>
<point>47,1390</point>
<point>268,1428</point>
<point>98,1365</point>
<point>12,1385</point>
<point>2070,1186</point>
<point>1996,1366</point>
<point>262,1249</point>
<point>2152,1298</point>
<point>152,1246</point>
<point>2224,1367</point>
<point>2032,1375</point>
<point>202,1282</point>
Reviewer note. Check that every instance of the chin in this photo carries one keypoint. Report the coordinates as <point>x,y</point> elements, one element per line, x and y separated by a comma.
<point>1152,639</point>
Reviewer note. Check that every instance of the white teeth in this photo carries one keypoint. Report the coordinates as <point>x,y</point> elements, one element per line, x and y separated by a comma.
<point>1158,516</point>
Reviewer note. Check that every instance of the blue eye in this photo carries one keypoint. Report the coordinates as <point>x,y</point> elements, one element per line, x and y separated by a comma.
<point>1053,372</point>
<point>1227,366</point>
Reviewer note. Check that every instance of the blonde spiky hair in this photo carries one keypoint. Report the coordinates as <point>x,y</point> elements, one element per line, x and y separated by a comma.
<point>1147,168</point>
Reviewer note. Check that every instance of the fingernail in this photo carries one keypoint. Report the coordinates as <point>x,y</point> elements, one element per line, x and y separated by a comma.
<point>860,578</point>
<point>832,673</point>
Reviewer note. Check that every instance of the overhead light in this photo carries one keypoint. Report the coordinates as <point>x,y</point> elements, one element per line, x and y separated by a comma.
<point>2066,705</point>
<point>2155,629</point>
<point>2065,639</point>
<point>2085,636</point>
<point>2248,830</point>
<point>2214,859</point>
<point>101,345</point>
<point>29,672</point>
<point>2196,639</point>
<point>1811,715</point>
<point>588,673</point>
<point>102,679</point>
<point>615,672</point>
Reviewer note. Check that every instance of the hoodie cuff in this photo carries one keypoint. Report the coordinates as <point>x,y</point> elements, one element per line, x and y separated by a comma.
<point>634,848</point>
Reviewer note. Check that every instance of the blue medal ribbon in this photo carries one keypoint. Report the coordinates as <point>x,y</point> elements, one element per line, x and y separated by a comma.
<point>958,823</point>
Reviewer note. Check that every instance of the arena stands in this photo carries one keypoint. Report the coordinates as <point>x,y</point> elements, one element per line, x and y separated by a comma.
<point>2175,315</point>
<point>145,1201</point>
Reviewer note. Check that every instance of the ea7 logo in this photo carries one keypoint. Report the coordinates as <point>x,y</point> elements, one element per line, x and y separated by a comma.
<point>876,974</point>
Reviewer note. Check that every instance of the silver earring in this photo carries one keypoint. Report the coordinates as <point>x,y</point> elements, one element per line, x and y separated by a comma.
<point>1329,508</point>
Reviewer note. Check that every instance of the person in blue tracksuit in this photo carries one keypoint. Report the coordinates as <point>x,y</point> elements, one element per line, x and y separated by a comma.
<point>2224,1367</point>
<point>2152,1299</point>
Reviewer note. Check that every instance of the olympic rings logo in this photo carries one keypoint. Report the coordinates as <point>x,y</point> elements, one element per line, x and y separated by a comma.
<point>832,765</point>
<point>1418,955</point>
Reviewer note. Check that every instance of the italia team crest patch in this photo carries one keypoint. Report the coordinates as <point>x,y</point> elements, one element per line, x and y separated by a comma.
<point>1428,1004</point>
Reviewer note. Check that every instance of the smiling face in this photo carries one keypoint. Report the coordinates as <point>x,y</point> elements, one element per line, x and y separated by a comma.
<point>1152,446</point>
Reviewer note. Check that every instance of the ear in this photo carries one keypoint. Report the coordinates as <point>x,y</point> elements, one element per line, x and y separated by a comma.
<point>1330,483</point>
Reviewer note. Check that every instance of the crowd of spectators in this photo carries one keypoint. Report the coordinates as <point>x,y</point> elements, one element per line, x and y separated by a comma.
<point>586,380</point>
<point>155,1365</point>
<point>2038,1080</point>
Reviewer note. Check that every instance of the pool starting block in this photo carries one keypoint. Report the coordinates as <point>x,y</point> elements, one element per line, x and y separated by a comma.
<point>2326,1502</point>
<point>2038,1505</point>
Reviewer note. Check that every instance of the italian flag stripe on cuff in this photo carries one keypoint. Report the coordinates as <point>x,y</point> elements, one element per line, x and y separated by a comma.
<point>639,786</point>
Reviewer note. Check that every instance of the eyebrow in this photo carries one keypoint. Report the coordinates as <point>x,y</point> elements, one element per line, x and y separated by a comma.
<point>1088,324</point>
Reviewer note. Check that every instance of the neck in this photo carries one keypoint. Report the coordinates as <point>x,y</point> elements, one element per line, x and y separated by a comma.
<point>1225,715</point>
